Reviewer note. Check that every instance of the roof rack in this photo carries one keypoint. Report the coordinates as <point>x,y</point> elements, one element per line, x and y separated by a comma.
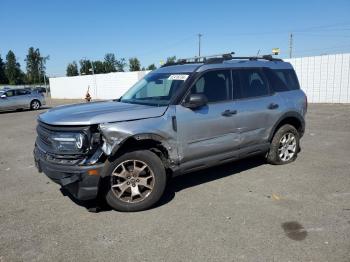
<point>219,58</point>
<point>254,58</point>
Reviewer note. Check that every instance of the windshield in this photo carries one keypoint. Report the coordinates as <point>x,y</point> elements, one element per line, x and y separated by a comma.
<point>154,89</point>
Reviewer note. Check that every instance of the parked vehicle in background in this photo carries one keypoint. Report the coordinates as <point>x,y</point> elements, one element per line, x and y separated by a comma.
<point>12,99</point>
<point>179,118</point>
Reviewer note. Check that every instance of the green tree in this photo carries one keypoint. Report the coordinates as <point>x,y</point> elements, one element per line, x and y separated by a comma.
<point>35,66</point>
<point>3,78</point>
<point>171,60</point>
<point>13,69</point>
<point>121,64</point>
<point>72,69</point>
<point>110,63</point>
<point>134,64</point>
<point>152,67</point>
<point>85,67</point>
<point>99,67</point>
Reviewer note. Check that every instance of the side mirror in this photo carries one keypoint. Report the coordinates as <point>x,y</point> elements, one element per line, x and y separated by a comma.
<point>196,101</point>
<point>3,96</point>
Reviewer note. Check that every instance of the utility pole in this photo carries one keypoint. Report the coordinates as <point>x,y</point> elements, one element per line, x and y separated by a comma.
<point>199,44</point>
<point>290,45</point>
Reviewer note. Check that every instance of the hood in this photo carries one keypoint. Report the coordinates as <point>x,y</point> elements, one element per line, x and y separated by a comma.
<point>99,112</point>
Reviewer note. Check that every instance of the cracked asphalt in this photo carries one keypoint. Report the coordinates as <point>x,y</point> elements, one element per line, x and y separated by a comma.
<point>244,211</point>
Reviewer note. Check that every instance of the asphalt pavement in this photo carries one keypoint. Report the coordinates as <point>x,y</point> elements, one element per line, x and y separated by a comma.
<point>243,211</point>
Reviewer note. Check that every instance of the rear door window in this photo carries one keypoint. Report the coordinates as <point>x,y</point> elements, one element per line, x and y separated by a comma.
<point>253,83</point>
<point>21,92</point>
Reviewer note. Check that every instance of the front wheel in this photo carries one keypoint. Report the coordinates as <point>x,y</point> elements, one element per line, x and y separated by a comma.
<point>284,146</point>
<point>137,181</point>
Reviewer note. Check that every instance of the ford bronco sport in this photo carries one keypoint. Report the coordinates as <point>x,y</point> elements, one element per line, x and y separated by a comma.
<point>182,117</point>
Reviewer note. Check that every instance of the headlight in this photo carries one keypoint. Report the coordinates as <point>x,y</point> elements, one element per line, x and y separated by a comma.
<point>68,142</point>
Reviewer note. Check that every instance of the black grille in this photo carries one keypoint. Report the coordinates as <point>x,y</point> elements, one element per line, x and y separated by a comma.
<point>43,135</point>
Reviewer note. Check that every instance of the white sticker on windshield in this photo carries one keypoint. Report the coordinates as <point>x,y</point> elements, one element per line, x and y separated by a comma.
<point>178,77</point>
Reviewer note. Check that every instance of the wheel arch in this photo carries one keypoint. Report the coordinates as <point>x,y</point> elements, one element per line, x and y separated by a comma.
<point>146,141</point>
<point>293,118</point>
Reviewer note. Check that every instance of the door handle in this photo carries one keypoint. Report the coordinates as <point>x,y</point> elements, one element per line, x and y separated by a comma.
<point>229,112</point>
<point>273,106</point>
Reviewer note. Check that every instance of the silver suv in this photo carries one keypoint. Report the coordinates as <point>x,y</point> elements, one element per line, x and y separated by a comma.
<point>179,118</point>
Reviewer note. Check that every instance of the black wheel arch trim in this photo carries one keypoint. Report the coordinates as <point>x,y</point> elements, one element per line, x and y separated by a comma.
<point>296,115</point>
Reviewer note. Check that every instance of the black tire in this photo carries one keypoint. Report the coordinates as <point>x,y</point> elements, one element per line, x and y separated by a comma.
<point>35,104</point>
<point>273,154</point>
<point>159,175</point>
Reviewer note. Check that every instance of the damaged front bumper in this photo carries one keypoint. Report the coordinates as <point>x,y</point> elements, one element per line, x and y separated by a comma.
<point>81,181</point>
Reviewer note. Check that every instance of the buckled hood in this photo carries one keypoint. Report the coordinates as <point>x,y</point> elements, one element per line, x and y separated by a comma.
<point>99,112</point>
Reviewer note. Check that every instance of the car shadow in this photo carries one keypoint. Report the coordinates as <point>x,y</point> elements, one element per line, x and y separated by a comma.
<point>193,179</point>
<point>179,183</point>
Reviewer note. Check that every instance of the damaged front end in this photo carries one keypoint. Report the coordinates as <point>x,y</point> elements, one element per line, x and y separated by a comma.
<point>156,134</point>
<point>71,157</point>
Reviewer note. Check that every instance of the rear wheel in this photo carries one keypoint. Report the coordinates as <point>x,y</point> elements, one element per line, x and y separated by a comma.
<point>284,146</point>
<point>136,181</point>
<point>35,105</point>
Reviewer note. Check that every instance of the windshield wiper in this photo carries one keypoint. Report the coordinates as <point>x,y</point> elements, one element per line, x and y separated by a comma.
<point>117,99</point>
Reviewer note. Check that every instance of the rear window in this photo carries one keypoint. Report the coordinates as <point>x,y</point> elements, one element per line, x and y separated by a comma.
<point>286,80</point>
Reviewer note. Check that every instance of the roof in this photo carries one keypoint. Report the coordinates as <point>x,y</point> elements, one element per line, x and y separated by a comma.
<point>200,67</point>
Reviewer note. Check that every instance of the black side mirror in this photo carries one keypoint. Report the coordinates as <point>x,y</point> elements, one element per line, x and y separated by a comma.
<point>196,101</point>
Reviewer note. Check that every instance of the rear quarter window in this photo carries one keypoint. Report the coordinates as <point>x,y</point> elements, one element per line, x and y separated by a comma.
<point>284,80</point>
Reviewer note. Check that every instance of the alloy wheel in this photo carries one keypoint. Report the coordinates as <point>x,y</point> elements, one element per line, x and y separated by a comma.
<point>132,181</point>
<point>287,147</point>
<point>35,105</point>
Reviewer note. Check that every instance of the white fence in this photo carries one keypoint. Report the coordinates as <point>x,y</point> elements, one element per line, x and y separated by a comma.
<point>102,86</point>
<point>325,79</point>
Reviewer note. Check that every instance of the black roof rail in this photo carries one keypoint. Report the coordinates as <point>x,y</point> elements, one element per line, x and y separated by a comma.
<point>219,58</point>
<point>264,57</point>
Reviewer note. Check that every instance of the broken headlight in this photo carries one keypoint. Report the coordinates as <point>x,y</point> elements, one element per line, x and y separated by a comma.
<point>69,142</point>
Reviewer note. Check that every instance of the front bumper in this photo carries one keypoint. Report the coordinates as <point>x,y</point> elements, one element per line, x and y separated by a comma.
<point>81,183</point>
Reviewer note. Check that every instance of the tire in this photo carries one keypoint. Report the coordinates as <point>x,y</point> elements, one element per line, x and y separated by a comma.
<point>125,180</point>
<point>35,105</point>
<point>280,145</point>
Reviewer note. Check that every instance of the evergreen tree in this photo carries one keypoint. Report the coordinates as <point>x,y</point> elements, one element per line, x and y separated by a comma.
<point>13,69</point>
<point>72,69</point>
<point>35,66</point>
<point>134,64</point>
<point>152,67</point>
<point>3,78</point>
